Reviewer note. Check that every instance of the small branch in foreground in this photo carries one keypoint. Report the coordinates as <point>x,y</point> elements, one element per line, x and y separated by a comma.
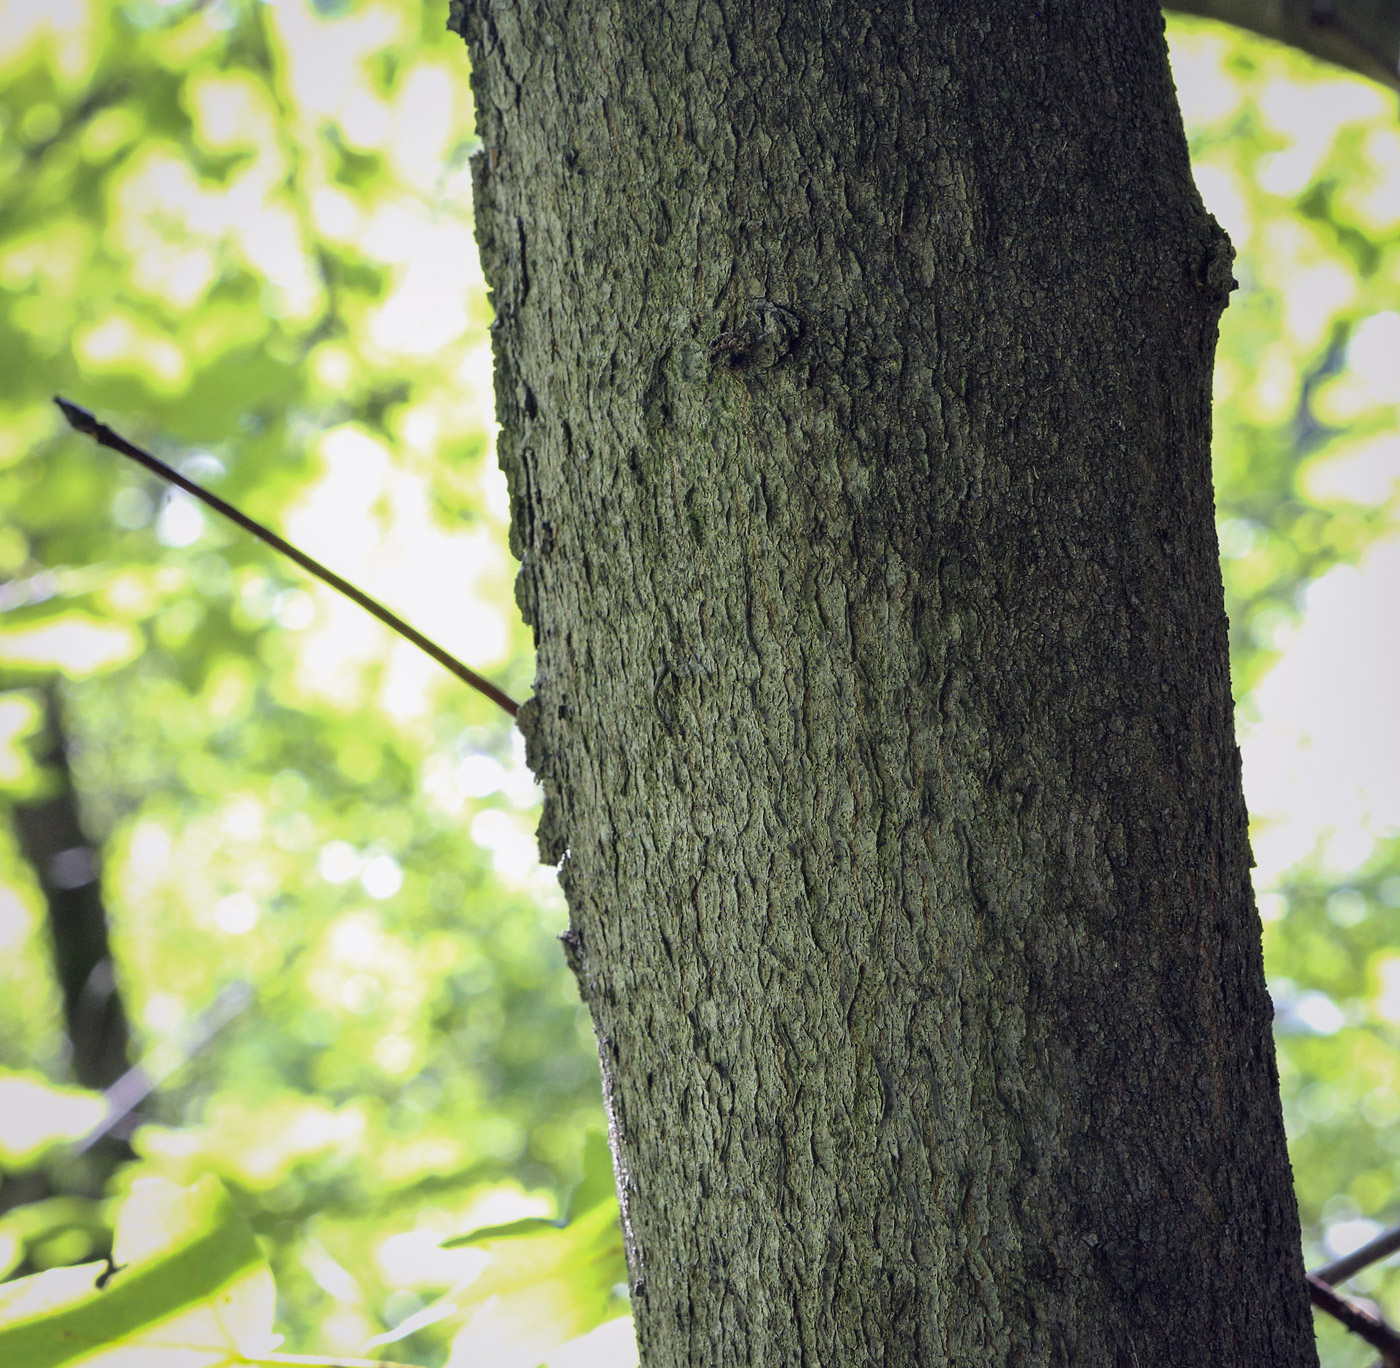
<point>83,421</point>
<point>1339,1270</point>
<point>1361,1323</point>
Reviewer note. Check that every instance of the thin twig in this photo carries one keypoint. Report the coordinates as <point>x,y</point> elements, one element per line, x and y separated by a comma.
<point>1339,1270</point>
<point>83,421</point>
<point>1360,1322</point>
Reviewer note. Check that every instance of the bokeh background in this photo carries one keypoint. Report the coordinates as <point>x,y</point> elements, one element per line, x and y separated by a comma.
<point>283,863</point>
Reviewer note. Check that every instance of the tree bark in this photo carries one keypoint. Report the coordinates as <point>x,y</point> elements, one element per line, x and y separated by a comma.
<point>853,369</point>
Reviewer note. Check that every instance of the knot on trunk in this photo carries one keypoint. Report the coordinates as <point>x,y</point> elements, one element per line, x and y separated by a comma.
<point>766,338</point>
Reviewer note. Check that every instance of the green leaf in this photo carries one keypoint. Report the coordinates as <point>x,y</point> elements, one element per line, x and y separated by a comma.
<point>36,1116</point>
<point>545,1284</point>
<point>28,1228</point>
<point>191,1290</point>
<point>20,718</point>
<point>507,1230</point>
<point>597,1184</point>
<point>76,643</point>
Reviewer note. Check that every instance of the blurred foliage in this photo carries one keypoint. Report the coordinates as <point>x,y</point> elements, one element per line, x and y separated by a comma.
<point>241,232</point>
<point>1301,163</point>
<point>189,1286</point>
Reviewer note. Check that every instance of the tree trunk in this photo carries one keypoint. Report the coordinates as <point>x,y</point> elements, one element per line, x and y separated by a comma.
<point>853,371</point>
<point>65,863</point>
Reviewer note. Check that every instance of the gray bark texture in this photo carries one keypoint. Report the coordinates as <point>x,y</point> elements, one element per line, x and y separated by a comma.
<point>853,373</point>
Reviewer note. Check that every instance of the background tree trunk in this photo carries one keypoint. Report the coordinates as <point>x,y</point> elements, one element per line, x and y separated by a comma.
<point>853,369</point>
<point>66,866</point>
<point>1360,35</point>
